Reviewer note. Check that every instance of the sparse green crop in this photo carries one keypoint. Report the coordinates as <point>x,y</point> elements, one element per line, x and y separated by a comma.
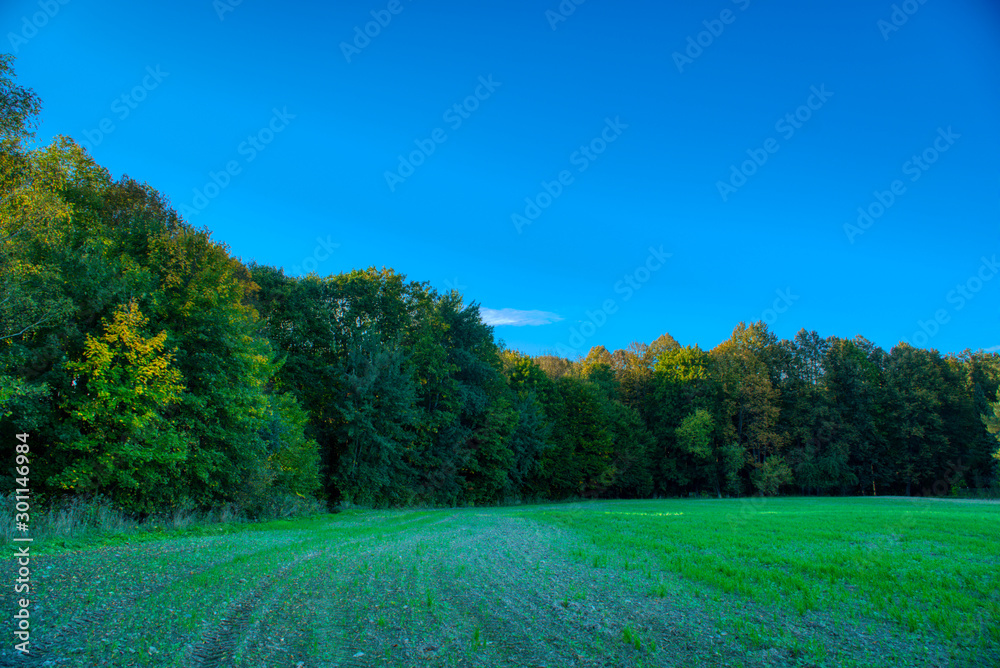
<point>825,582</point>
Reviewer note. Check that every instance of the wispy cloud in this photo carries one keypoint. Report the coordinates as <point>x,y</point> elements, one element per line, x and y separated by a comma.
<point>510,316</point>
<point>992,349</point>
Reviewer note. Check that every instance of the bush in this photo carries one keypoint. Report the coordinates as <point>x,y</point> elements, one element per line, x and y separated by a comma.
<point>771,475</point>
<point>67,518</point>
<point>80,516</point>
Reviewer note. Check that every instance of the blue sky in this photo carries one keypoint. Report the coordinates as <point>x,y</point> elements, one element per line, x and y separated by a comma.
<point>602,172</point>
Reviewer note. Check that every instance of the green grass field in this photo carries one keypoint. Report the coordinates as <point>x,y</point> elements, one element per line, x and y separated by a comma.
<point>753,582</point>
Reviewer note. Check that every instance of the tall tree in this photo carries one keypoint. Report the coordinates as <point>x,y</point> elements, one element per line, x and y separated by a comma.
<point>817,447</point>
<point>580,463</point>
<point>919,438</point>
<point>127,446</point>
<point>376,426</point>
<point>538,405</point>
<point>744,367</point>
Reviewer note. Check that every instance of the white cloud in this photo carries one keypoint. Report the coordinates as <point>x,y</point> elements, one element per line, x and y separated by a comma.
<point>515,318</point>
<point>992,349</point>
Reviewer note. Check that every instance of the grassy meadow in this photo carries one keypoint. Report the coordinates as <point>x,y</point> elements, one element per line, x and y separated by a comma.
<point>746,582</point>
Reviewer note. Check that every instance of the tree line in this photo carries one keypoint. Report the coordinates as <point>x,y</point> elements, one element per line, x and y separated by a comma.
<point>153,367</point>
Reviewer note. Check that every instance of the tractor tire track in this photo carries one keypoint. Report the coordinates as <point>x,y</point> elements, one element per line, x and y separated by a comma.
<point>51,645</point>
<point>345,601</point>
<point>519,625</point>
<point>220,644</point>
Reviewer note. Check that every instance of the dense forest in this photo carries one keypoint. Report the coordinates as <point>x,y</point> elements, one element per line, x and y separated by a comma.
<point>151,366</point>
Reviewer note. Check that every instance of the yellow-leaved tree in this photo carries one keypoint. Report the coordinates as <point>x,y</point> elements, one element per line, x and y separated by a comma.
<point>125,386</point>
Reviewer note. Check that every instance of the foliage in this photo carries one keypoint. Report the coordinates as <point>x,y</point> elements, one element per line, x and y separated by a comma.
<point>127,445</point>
<point>155,368</point>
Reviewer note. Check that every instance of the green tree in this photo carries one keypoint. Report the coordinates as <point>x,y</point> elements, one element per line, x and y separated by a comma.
<point>19,108</point>
<point>597,368</point>
<point>745,368</point>
<point>634,374</point>
<point>632,452</point>
<point>771,475</point>
<point>538,406</point>
<point>919,439</point>
<point>818,447</point>
<point>484,415</point>
<point>855,390</point>
<point>293,456</point>
<point>679,383</point>
<point>981,381</point>
<point>348,358</point>
<point>992,422</point>
<point>377,419</point>
<point>580,463</point>
<point>694,435</point>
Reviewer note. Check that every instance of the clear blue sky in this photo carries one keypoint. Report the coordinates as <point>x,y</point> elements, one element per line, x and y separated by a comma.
<point>672,129</point>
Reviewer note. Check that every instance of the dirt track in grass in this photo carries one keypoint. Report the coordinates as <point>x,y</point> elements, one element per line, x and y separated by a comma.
<point>441,588</point>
